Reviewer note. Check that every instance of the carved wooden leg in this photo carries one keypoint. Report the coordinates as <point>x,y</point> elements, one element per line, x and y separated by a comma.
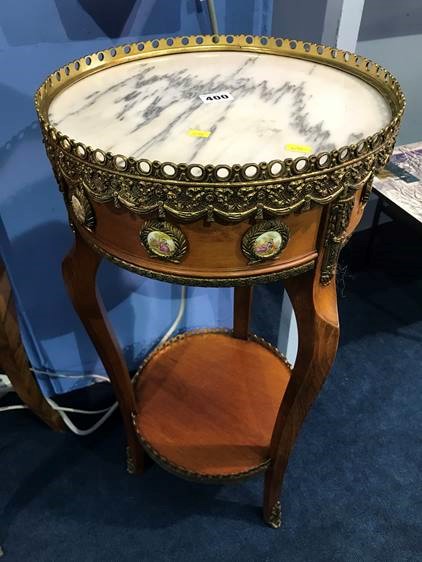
<point>14,362</point>
<point>242,311</point>
<point>79,271</point>
<point>315,307</point>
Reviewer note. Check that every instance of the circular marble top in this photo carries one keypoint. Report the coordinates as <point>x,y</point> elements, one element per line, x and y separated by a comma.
<point>281,107</point>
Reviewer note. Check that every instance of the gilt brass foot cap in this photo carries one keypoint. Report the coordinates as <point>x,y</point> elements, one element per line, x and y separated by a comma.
<point>274,520</point>
<point>130,463</point>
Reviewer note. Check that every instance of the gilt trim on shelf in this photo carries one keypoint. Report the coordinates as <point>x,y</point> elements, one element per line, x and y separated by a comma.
<point>166,463</point>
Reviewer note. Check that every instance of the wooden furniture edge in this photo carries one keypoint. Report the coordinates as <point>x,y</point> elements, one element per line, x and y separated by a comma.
<point>14,361</point>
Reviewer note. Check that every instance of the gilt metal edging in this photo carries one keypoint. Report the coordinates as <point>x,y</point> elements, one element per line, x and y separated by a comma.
<point>182,471</point>
<point>232,202</point>
<point>205,281</point>
<point>192,191</point>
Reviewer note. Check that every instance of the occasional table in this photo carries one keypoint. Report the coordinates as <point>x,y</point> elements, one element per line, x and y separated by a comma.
<point>218,161</point>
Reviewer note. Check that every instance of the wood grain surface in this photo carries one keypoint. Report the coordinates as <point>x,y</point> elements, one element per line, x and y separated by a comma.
<point>14,362</point>
<point>214,248</point>
<point>208,402</point>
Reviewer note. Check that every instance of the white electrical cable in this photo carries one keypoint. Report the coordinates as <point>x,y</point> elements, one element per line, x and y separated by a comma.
<point>58,408</point>
<point>180,313</point>
<point>72,426</point>
<point>17,407</point>
<point>77,411</point>
<point>63,375</point>
<point>108,411</point>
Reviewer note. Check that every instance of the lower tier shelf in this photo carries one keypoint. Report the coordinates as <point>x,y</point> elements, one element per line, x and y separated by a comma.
<point>207,403</point>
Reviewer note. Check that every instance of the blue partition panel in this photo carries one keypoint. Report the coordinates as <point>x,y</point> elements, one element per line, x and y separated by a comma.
<point>35,38</point>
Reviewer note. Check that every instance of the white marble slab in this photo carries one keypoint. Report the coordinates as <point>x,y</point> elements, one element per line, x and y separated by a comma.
<point>146,108</point>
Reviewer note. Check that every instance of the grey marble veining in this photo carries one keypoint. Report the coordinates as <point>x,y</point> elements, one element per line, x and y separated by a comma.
<point>147,108</point>
<point>407,192</point>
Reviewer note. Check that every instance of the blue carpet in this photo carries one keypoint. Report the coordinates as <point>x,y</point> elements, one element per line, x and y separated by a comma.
<point>352,490</point>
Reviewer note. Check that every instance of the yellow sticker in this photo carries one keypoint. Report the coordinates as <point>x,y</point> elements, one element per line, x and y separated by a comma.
<point>199,133</point>
<point>299,148</point>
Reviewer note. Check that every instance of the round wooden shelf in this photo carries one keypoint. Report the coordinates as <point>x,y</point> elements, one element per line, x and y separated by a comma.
<point>207,403</point>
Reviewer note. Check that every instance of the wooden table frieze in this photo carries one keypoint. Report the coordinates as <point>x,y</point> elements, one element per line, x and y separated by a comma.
<point>145,141</point>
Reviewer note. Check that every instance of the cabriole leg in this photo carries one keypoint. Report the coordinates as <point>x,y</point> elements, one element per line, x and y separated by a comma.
<point>79,271</point>
<point>315,307</point>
